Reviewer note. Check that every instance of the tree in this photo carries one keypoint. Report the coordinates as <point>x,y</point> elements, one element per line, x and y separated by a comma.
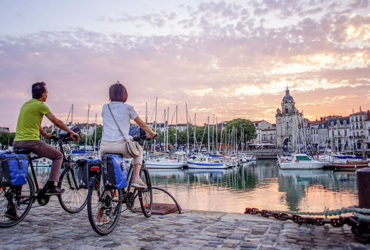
<point>240,125</point>
<point>7,139</point>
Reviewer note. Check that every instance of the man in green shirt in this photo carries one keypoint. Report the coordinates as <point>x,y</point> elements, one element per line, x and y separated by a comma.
<point>29,129</point>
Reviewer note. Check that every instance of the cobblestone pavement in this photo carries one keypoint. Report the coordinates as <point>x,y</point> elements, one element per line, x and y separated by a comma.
<point>51,227</point>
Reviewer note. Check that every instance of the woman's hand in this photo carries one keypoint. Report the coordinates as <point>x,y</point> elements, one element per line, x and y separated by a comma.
<point>152,136</point>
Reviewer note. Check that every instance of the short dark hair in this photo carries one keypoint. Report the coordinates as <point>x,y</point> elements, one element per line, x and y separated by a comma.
<point>38,89</point>
<point>118,92</point>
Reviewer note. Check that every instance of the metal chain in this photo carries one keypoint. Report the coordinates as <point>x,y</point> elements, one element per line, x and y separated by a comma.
<point>318,221</point>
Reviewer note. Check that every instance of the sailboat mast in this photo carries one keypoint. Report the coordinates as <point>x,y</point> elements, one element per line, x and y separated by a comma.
<point>155,123</point>
<point>195,130</point>
<point>167,128</point>
<point>187,129</point>
<point>176,128</point>
<point>208,137</point>
<point>96,120</point>
<point>72,114</point>
<point>146,112</point>
<point>362,135</point>
<point>87,126</point>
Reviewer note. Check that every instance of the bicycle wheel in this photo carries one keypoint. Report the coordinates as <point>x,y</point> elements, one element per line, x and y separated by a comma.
<point>103,207</point>
<point>146,195</point>
<point>15,203</point>
<point>74,198</point>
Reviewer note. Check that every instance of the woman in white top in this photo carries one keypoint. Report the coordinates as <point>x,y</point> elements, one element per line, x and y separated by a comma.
<point>112,140</point>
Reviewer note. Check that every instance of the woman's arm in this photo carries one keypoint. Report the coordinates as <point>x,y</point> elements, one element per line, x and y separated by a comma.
<point>145,127</point>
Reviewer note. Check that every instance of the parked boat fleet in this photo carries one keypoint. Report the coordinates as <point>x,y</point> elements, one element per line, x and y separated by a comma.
<point>338,162</point>
<point>179,159</point>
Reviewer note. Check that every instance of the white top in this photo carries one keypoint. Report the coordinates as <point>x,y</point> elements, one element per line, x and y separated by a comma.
<point>122,113</point>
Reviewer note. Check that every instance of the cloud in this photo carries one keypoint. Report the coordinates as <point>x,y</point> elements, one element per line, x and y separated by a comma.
<point>230,63</point>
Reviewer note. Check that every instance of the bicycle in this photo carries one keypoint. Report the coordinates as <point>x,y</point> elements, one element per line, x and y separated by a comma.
<point>108,203</point>
<point>73,200</point>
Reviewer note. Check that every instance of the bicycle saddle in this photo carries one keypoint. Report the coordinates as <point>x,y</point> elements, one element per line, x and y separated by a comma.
<point>25,151</point>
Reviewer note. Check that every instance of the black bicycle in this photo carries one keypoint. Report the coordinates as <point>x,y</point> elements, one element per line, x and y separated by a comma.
<point>104,206</point>
<point>73,200</point>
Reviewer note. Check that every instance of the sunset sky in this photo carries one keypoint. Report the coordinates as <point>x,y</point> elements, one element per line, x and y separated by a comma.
<point>227,58</point>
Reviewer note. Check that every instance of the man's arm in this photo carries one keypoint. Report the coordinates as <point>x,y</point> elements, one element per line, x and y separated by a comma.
<point>61,125</point>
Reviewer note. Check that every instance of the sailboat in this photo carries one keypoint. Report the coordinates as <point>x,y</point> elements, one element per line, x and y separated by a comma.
<point>165,161</point>
<point>207,161</point>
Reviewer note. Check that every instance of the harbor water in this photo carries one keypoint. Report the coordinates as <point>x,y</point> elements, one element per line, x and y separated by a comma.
<point>261,185</point>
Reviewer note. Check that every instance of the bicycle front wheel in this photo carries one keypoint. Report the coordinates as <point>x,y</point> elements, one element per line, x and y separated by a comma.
<point>103,207</point>
<point>146,194</point>
<point>74,198</point>
<point>15,203</point>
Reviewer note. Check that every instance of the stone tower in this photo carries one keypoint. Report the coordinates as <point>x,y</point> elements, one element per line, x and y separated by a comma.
<point>287,120</point>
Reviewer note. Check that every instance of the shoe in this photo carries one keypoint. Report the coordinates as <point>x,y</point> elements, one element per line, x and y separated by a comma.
<point>101,218</point>
<point>138,185</point>
<point>53,191</point>
<point>11,213</point>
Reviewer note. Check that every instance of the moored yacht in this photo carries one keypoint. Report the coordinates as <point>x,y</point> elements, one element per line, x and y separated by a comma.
<point>299,161</point>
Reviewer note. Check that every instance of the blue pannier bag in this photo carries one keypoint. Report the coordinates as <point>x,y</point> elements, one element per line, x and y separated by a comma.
<point>84,170</point>
<point>137,133</point>
<point>114,171</point>
<point>13,169</point>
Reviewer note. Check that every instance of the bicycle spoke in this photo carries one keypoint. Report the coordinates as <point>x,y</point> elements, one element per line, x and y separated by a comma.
<point>74,199</point>
<point>104,208</point>
<point>15,203</point>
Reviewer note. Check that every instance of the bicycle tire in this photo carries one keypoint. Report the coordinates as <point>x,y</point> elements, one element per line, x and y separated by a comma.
<point>146,195</point>
<point>74,198</point>
<point>8,193</point>
<point>108,201</point>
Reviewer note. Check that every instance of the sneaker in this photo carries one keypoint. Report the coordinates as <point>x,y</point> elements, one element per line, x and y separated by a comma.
<point>11,213</point>
<point>101,218</point>
<point>53,191</point>
<point>137,185</point>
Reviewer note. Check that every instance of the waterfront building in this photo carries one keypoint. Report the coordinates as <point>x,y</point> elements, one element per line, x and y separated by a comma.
<point>266,132</point>
<point>288,121</point>
<point>360,130</point>
<point>318,135</point>
<point>4,130</point>
<point>339,132</point>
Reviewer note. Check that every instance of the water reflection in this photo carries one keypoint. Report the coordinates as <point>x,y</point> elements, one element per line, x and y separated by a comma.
<point>262,185</point>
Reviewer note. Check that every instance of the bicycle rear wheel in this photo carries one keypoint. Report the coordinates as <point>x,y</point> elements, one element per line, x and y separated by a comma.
<point>74,198</point>
<point>146,194</point>
<point>15,203</point>
<point>103,207</point>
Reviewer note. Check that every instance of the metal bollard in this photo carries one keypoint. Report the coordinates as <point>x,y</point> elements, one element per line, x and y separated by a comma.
<point>363,187</point>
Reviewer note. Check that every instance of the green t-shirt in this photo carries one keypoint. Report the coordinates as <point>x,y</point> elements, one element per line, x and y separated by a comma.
<point>29,120</point>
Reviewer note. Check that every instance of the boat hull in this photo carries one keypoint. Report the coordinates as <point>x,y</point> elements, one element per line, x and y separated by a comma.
<point>351,165</point>
<point>196,165</point>
<point>164,165</point>
<point>301,165</point>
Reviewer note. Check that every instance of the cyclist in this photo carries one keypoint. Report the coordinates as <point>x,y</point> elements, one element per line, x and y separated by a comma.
<point>112,141</point>
<point>27,136</point>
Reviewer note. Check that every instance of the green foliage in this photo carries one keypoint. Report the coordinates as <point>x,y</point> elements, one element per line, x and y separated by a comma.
<point>239,124</point>
<point>7,139</point>
<point>99,133</point>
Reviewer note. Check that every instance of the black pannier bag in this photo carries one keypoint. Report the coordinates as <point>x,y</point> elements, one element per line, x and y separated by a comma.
<point>13,169</point>
<point>114,171</point>
<point>84,167</point>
